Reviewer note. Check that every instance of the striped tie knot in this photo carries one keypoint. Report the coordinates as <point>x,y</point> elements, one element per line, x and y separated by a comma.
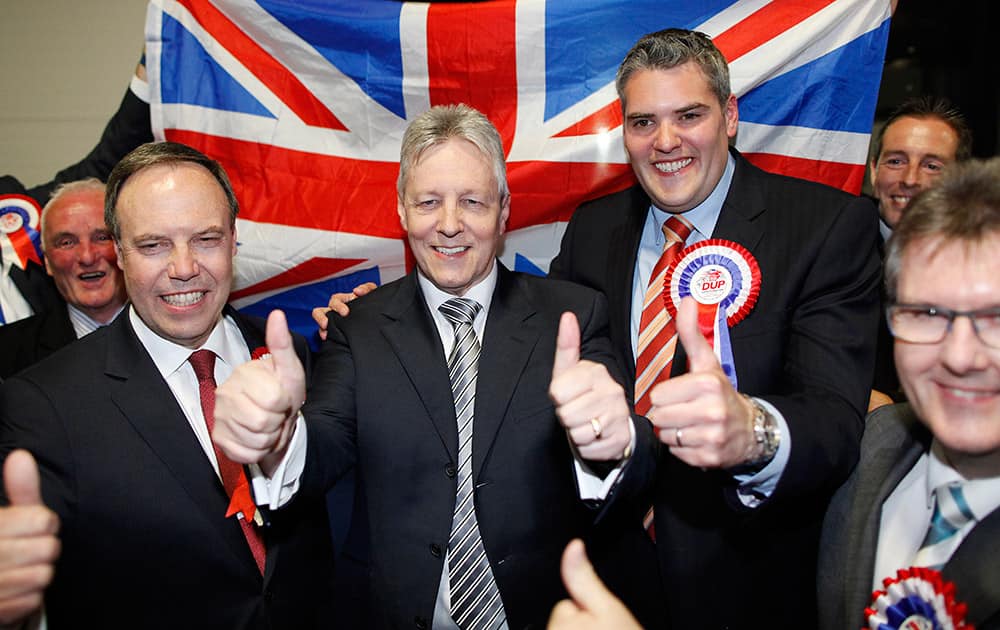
<point>460,310</point>
<point>676,229</point>
<point>951,514</point>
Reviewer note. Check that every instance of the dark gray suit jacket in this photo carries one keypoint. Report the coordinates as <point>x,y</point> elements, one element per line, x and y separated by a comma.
<point>381,400</point>
<point>894,441</point>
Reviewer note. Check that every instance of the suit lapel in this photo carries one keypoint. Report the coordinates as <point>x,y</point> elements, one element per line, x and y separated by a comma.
<point>411,332</point>
<point>623,245</point>
<point>508,340</point>
<point>138,389</point>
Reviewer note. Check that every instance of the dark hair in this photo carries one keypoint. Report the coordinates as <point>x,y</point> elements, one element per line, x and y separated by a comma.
<point>964,205</point>
<point>673,47</point>
<point>935,107</point>
<point>152,154</point>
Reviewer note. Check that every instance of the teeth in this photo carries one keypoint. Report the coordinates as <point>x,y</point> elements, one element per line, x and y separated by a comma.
<point>92,275</point>
<point>672,167</point>
<point>964,393</point>
<point>900,199</point>
<point>448,251</point>
<point>183,299</point>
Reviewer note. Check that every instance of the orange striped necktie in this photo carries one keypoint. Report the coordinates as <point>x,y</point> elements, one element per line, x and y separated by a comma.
<point>657,331</point>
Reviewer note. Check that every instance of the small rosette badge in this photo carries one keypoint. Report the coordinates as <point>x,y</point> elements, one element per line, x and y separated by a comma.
<point>20,240</point>
<point>916,599</point>
<point>724,279</point>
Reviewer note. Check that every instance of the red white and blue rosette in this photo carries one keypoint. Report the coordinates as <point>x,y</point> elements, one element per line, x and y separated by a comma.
<point>916,599</point>
<point>724,279</point>
<point>20,240</point>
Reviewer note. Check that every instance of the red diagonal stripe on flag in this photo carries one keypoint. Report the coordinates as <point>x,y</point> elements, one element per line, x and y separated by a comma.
<point>608,117</point>
<point>462,42</point>
<point>764,24</point>
<point>312,270</point>
<point>837,174</point>
<point>275,76</point>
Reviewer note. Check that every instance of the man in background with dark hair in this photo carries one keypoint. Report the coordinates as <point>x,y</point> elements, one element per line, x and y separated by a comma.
<point>920,139</point>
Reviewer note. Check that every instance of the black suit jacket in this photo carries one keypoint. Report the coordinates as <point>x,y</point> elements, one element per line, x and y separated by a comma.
<point>145,539</point>
<point>894,441</point>
<point>29,340</point>
<point>381,398</point>
<point>807,347</point>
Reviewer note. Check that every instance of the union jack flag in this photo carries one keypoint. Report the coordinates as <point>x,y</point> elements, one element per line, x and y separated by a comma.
<point>305,102</point>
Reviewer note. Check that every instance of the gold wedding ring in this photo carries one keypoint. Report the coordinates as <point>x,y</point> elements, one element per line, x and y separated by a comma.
<point>677,436</point>
<point>595,424</point>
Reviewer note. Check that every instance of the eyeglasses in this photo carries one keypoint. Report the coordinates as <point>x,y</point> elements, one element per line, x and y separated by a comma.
<point>921,323</point>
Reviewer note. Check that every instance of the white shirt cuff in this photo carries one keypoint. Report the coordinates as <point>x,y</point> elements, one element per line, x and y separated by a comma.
<point>592,487</point>
<point>282,486</point>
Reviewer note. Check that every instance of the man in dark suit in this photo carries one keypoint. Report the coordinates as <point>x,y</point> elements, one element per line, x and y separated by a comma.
<point>748,470</point>
<point>157,528</point>
<point>391,397</point>
<point>910,152</point>
<point>932,464</point>
<point>80,258</point>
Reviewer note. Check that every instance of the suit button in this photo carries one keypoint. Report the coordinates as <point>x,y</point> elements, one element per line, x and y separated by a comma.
<point>436,550</point>
<point>450,471</point>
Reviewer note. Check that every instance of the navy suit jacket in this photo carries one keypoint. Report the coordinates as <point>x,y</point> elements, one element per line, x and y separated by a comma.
<point>145,539</point>
<point>894,441</point>
<point>807,347</point>
<point>29,340</point>
<point>381,400</point>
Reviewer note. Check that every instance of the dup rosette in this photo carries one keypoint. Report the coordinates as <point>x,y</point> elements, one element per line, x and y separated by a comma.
<point>918,598</point>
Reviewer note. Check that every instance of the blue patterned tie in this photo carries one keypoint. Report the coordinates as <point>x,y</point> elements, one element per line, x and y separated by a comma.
<point>475,598</point>
<point>951,514</point>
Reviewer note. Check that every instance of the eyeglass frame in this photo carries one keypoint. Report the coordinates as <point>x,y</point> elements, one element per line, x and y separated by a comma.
<point>949,314</point>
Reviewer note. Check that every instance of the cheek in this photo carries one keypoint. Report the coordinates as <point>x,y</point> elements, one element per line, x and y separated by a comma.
<point>913,362</point>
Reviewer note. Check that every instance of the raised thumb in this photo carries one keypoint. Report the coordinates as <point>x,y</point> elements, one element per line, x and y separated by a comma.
<point>20,479</point>
<point>567,344</point>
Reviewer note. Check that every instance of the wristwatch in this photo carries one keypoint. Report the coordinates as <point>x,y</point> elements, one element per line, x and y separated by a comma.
<point>766,435</point>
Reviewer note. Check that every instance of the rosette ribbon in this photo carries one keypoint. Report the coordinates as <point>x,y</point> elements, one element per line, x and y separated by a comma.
<point>724,279</point>
<point>20,240</point>
<point>918,598</point>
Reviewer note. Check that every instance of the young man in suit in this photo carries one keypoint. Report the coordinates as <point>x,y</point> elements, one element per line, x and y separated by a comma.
<point>469,472</point>
<point>119,425</point>
<point>80,259</point>
<point>938,456</point>
<point>747,471</point>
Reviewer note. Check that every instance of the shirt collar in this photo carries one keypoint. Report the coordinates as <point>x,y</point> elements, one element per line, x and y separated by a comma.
<point>982,495</point>
<point>481,292</point>
<point>169,356</point>
<point>705,215</point>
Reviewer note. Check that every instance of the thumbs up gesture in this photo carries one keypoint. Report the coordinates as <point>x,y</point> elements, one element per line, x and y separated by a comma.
<point>256,408</point>
<point>28,542</point>
<point>704,421</point>
<point>589,403</point>
<point>592,605</point>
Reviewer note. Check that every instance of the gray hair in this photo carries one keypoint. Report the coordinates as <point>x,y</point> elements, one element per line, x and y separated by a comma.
<point>67,188</point>
<point>442,123</point>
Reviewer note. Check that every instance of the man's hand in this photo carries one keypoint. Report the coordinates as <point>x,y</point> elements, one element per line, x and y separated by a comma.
<point>338,304</point>
<point>704,421</point>
<point>589,403</point>
<point>29,546</point>
<point>256,408</point>
<point>592,605</point>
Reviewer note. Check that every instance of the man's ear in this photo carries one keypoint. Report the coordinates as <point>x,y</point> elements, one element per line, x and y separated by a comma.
<point>401,210</point>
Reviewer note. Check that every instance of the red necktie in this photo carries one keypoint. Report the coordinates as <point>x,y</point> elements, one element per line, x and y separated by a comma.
<point>657,330</point>
<point>203,362</point>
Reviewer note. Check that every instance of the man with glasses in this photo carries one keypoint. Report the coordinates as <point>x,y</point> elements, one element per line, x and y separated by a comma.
<point>927,487</point>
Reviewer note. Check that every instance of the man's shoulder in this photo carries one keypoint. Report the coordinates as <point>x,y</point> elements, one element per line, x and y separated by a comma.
<point>545,291</point>
<point>805,192</point>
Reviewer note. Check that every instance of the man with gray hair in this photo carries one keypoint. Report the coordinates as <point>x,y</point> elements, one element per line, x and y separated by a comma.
<point>436,388</point>
<point>926,491</point>
<point>80,258</point>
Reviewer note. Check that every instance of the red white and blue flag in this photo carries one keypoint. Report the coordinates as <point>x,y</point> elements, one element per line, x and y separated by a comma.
<point>305,102</point>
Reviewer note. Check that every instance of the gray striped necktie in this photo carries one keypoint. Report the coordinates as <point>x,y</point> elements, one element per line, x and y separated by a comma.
<point>951,514</point>
<point>475,599</point>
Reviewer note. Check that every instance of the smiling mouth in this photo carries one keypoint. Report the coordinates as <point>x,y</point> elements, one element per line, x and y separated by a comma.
<point>450,251</point>
<point>183,299</point>
<point>673,166</point>
<point>900,199</point>
<point>91,275</point>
